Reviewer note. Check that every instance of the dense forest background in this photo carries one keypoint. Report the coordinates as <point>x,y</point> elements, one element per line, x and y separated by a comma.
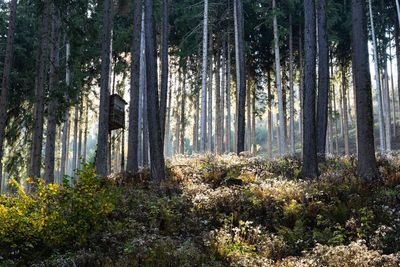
<point>247,133</point>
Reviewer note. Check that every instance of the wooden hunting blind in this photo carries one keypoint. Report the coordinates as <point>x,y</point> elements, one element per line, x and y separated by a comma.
<point>116,119</point>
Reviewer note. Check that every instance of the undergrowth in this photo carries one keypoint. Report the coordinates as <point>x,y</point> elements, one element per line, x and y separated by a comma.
<point>212,211</point>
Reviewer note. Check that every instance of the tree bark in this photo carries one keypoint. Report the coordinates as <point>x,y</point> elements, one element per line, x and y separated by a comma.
<point>5,83</point>
<point>132,161</point>
<point>366,168</point>
<point>228,101</point>
<point>157,163</point>
<point>210,146</point>
<point>64,145</point>
<point>345,114</point>
<point>292,126</point>
<point>282,139</point>
<point>240,65</point>
<point>203,135</point>
<point>106,52</point>
<point>164,66</point>
<point>182,115</point>
<point>53,101</point>
<point>218,119</point>
<point>38,122</point>
<point>378,82</point>
<point>323,81</point>
<point>270,125</point>
<point>310,163</point>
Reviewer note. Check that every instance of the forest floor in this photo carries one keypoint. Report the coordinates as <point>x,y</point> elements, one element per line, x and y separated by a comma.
<point>213,211</point>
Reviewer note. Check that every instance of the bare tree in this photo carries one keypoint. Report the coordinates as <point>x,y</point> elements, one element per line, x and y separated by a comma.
<point>156,145</point>
<point>203,130</point>
<point>132,162</point>
<point>106,52</point>
<point>310,163</point>
<point>6,80</point>
<point>366,169</point>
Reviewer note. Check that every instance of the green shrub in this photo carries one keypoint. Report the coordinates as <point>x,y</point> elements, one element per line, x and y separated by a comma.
<point>52,217</point>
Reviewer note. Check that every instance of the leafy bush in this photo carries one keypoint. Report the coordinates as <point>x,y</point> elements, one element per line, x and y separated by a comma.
<point>53,217</point>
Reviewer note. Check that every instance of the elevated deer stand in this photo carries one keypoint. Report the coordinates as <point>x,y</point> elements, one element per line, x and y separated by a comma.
<point>116,119</point>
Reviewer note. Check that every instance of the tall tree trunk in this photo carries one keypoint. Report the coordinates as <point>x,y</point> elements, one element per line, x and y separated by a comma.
<point>167,142</point>
<point>157,163</point>
<point>241,75</point>
<point>75,142</point>
<point>132,161</point>
<point>203,129</point>
<point>301,83</point>
<point>291,86</point>
<point>248,115</point>
<point>282,139</point>
<point>270,125</point>
<point>323,80</point>
<point>182,115</point>
<point>196,122</point>
<point>386,99</point>
<point>6,80</point>
<point>218,119</point>
<point>253,123</point>
<point>378,82</point>
<point>366,168</point>
<point>397,43</point>
<point>64,145</point>
<point>164,66</point>
<point>210,146</point>
<point>228,101</point>
<point>393,98</point>
<point>106,52</point>
<point>40,81</point>
<point>85,131</point>
<point>53,102</point>
<point>345,114</point>
<point>310,163</point>
<point>222,90</point>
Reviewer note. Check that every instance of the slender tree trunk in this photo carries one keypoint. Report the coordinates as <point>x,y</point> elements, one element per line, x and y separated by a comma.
<point>75,142</point>
<point>378,83</point>
<point>53,102</point>
<point>222,90</point>
<point>366,169</point>
<point>386,110</point>
<point>168,124</point>
<point>64,145</point>
<point>210,146</point>
<point>292,126</point>
<point>228,101</point>
<point>310,164</point>
<point>106,52</point>
<point>393,98</point>
<point>282,139</point>
<point>323,80</point>
<point>38,122</point>
<point>85,131</point>
<point>164,66</point>
<point>203,135</point>
<point>253,124</point>
<point>301,83</point>
<point>218,119</point>
<point>240,65</point>
<point>397,43</point>
<point>132,162</point>
<point>248,115</point>
<point>156,145</point>
<point>270,125</point>
<point>6,80</point>
<point>182,115</point>
<point>345,114</point>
